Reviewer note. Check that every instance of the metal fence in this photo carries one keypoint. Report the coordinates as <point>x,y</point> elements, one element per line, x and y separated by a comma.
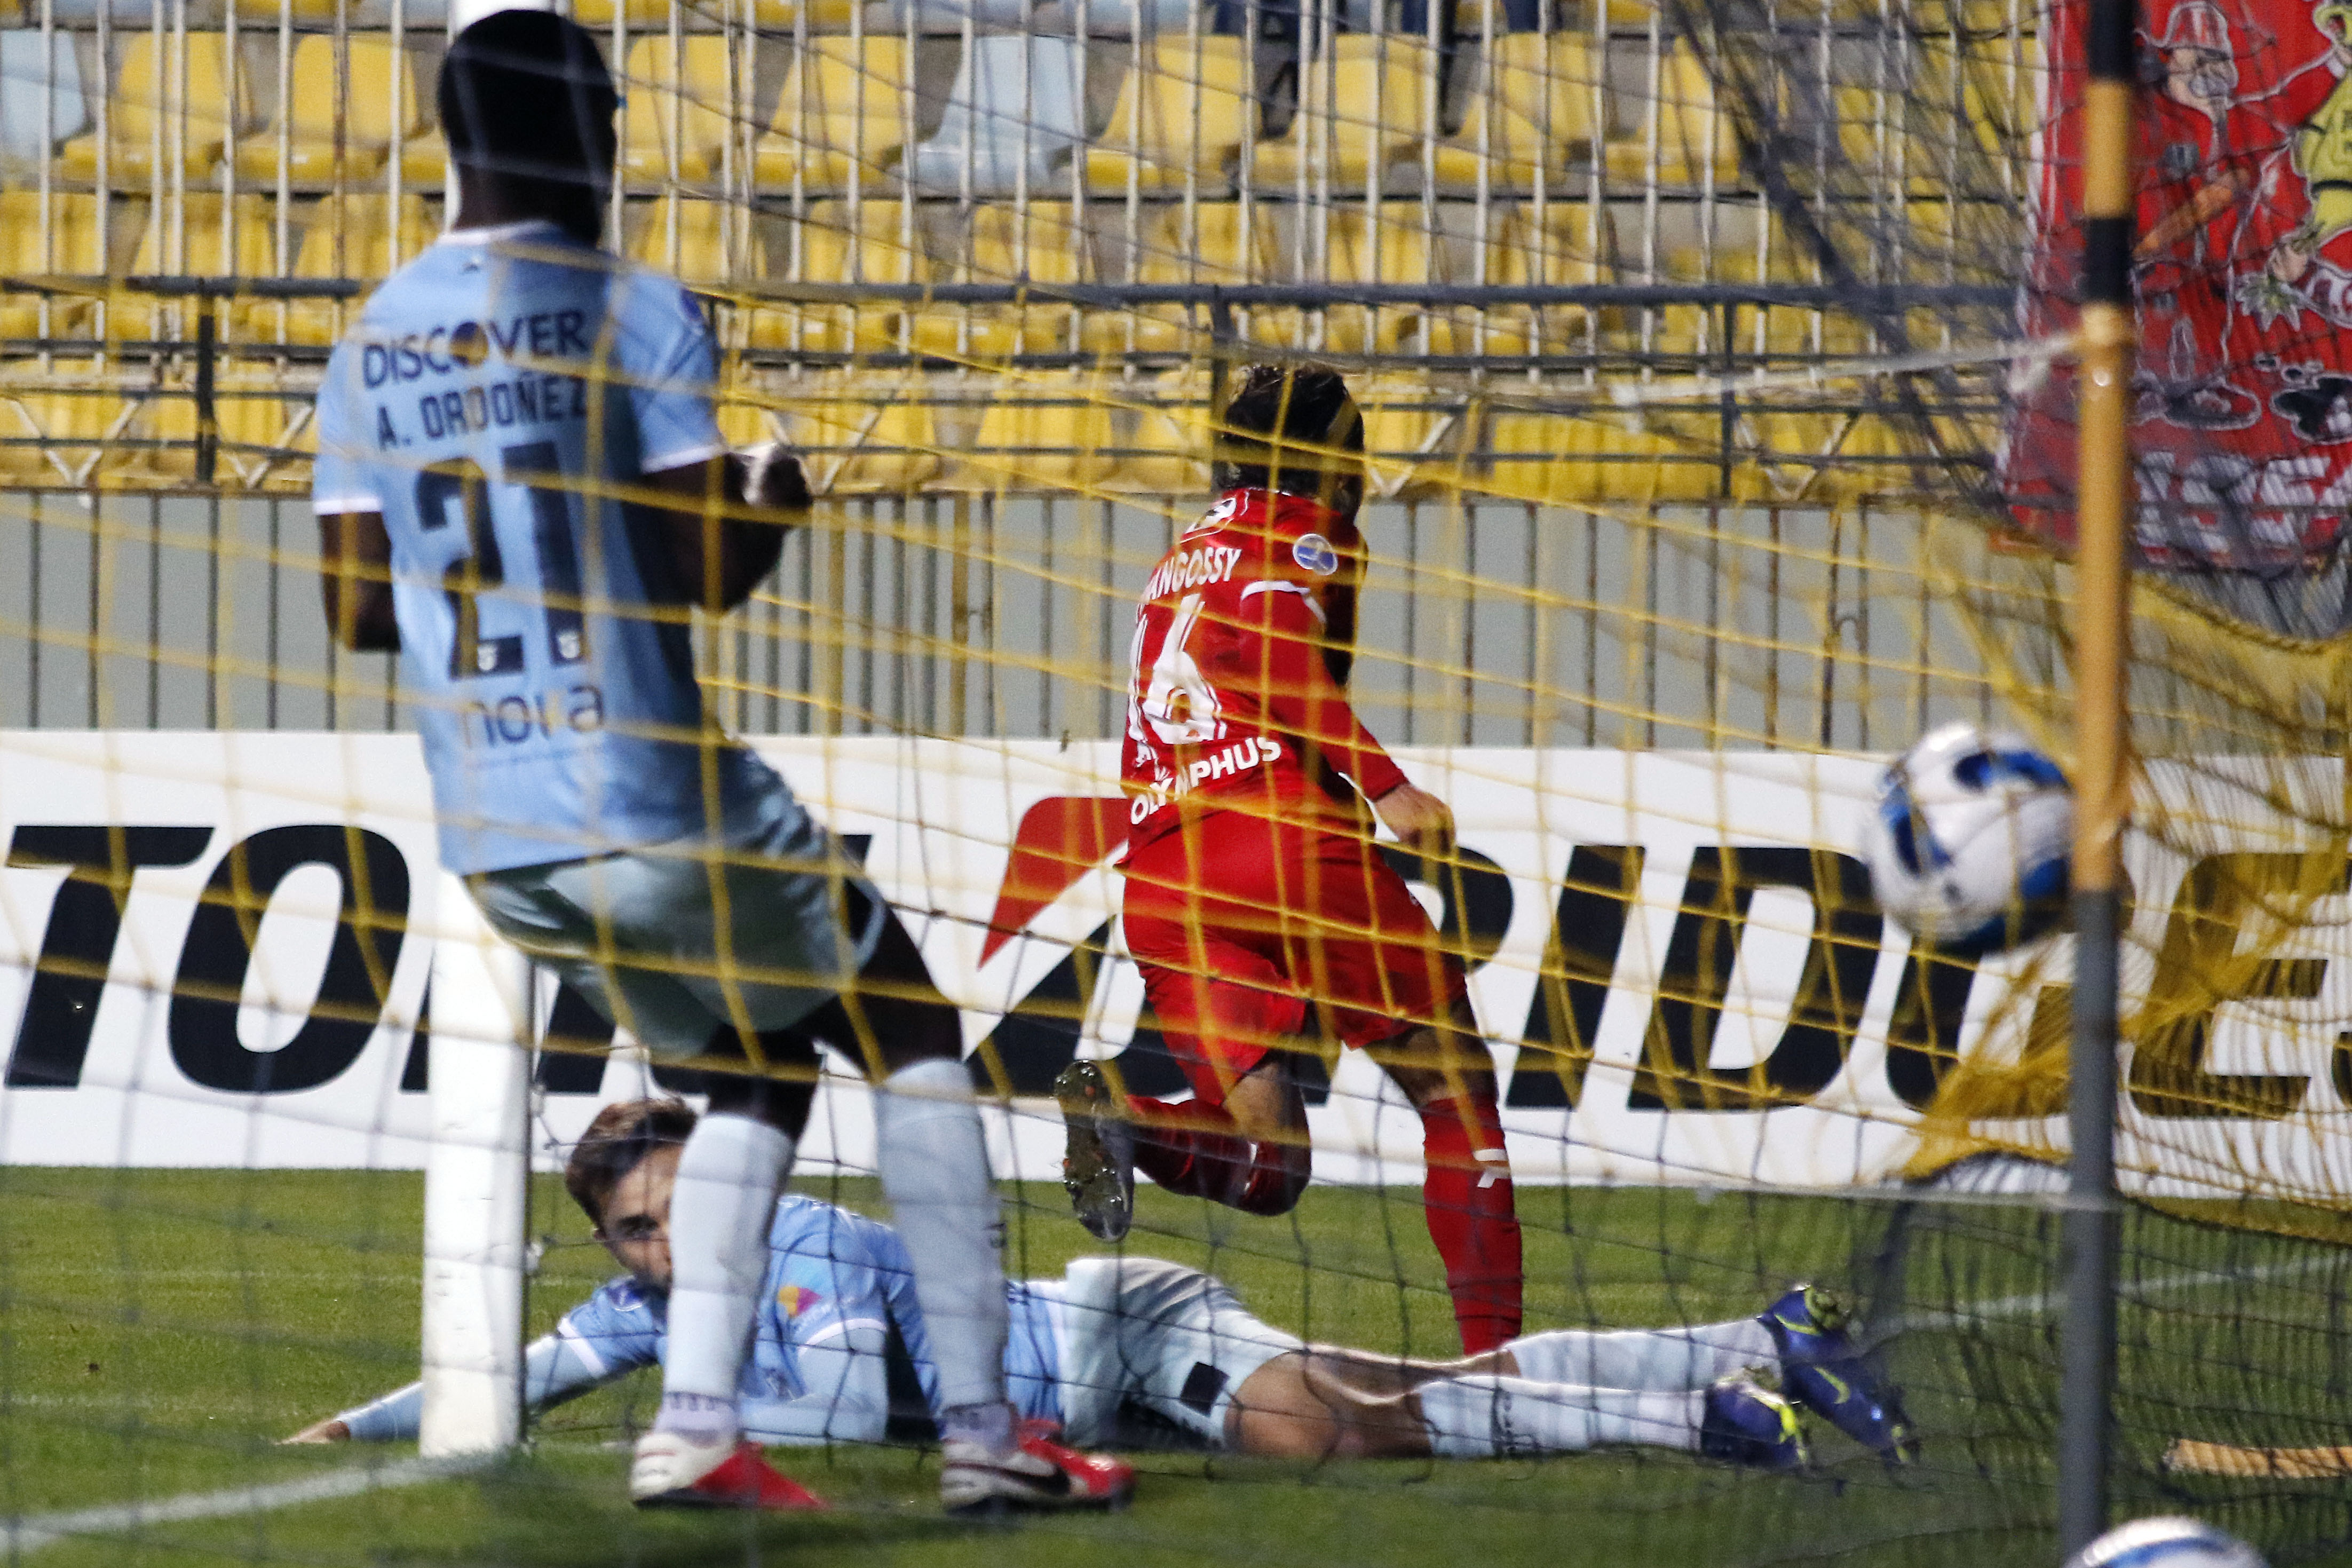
<point>1484,623</point>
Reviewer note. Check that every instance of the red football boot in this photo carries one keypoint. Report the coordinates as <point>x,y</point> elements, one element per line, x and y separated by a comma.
<point>1038,1474</point>
<point>673,1471</point>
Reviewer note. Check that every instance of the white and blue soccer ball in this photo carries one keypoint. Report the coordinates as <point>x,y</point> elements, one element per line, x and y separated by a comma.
<point>1968,841</point>
<point>2166,1542</point>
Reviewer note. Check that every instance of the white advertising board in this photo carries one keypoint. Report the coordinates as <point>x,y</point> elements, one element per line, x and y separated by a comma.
<point>174,1025</point>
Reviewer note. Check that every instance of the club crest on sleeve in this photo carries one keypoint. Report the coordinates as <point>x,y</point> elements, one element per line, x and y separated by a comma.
<point>1313,552</point>
<point>797,1299</point>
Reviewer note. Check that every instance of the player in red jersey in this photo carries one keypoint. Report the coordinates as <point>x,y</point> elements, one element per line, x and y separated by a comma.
<point>1255,900</point>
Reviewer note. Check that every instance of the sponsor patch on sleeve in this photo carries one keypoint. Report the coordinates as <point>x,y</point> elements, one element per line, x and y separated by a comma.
<point>1313,552</point>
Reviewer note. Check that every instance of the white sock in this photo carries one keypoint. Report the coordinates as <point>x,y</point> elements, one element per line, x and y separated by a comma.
<point>934,1163</point>
<point>1657,1359</point>
<point>1481,1417</point>
<point>720,1215</point>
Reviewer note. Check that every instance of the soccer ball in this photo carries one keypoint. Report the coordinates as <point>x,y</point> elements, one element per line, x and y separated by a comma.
<point>2169,1542</point>
<point>1968,846</point>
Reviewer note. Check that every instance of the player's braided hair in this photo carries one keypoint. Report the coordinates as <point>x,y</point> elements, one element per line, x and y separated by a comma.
<point>1292,429</point>
<point>623,1134</point>
<point>525,96</point>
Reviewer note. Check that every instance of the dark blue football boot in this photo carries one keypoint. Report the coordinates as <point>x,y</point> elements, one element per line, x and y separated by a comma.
<point>1744,1422</point>
<point>1822,1370</point>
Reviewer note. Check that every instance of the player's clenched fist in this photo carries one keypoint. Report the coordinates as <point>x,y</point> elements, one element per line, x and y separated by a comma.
<point>1420,820</point>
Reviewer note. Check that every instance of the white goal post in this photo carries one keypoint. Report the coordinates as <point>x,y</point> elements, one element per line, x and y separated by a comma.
<point>477,1175</point>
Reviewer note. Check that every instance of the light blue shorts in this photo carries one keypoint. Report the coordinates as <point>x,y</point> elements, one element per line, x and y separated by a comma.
<point>675,941</point>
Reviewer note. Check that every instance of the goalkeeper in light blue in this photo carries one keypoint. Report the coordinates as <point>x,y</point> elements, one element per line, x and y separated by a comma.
<point>843,1354</point>
<point>521,487</point>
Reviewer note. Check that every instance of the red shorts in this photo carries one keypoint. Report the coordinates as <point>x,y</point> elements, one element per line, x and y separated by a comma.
<point>1242,925</point>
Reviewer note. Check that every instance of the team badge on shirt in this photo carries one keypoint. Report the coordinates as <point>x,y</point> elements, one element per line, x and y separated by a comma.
<point>1313,552</point>
<point>796,1299</point>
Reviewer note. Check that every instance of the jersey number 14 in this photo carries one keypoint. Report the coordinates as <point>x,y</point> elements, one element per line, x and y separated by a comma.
<point>1179,703</point>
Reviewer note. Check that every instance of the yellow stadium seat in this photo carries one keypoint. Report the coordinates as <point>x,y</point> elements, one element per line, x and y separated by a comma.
<point>1694,142</point>
<point>743,423</point>
<point>1566,461</point>
<point>348,237</point>
<point>862,438</point>
<point>676,123</point>
<point>1166,251</point>
<point>424,161</point>
<point>1361,107</point>
<point>1404,434</point>
<point>212,238</point>
<point>1565,247</point>
<point>1054,252</point>
<point>837,243</point>
<point>1403,252</point>
<point>250,422</point>
<point>382,94</point>
<point>1183,115</point>
<point>766,13</point>
<point>163,98</point>
<point>686,238</point>
<point>1168,455</point>
<point>1533,106</point>
<point>68,244</point>
<point>844,105</point>
<point>58,437</point>
<point>1050,433</point>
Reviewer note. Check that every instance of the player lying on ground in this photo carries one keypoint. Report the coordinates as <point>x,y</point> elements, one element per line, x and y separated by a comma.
<point>520,487</point>
<point>1254,896</point>
<point>1171,1341</point>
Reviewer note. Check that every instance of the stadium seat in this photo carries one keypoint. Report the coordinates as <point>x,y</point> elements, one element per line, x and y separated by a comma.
<point>160,98</point>
<point>212,238</point>
<point>317,114</point>
<point>30,73</point>
<point>830,14</point>
<point>1523,252</point>
<point>1013,112</point>
<point>1403,252</point>
<point>1167,454</point>
<point>686,237</point>
<point>1404,434</point>
<point>1560,460</point>
<point>839,244</point>
<point>1695,144</point>
<point>862,437</point>
<point>348,237</point>
<point>843,106</point>
<point>68,244</point>
<point>1533,106</point>
<point>248,421</point>
<point>424,161</point>
<point>1166,251</point>
<point>676,122</point>
<point>1361,106</point>
<point>72,429</point>
<point>1181,116</point>
<point>1055,253</point>
<point>1051,432</point>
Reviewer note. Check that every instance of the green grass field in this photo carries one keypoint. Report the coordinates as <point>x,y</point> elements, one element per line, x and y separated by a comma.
<point>163,1329</point>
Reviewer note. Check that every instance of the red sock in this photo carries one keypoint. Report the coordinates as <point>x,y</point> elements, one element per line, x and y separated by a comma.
<point>1471,1217</point>
<point>1202,1156</point>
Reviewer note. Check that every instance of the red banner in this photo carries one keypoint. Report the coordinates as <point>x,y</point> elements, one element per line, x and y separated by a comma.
<point>2242,276</point>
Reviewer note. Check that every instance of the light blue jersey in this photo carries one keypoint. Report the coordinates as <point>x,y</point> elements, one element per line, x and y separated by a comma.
<point>493,394</point>
<point>837,1286</point>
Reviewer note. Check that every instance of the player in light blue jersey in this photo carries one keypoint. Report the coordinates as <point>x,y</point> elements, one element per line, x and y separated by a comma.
<point>841,1354</point>
<point>521,488</point>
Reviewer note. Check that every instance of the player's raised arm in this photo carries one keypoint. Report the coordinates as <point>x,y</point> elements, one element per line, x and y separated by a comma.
<point>726,517</point>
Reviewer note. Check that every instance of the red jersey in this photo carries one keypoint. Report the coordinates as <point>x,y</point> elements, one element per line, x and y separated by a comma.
<point>1233,701</point>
